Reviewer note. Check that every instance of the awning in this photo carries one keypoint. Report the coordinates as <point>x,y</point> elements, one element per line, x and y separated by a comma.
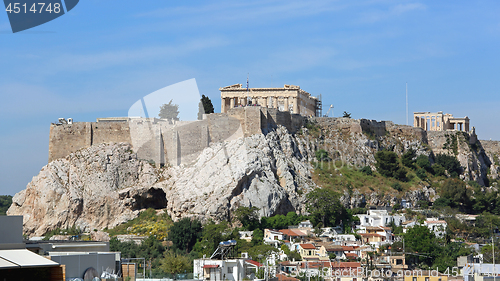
<point>7,264</point>
<point>25,258</point>
<point>210,266</point>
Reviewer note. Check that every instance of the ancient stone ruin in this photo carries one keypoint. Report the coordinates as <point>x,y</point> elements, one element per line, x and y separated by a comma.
<point>440,122</point>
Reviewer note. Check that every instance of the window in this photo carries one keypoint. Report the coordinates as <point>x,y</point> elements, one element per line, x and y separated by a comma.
<point>399,261</point>
<point>229,269</point>
<point>426,278</point>
<point>414,278</point>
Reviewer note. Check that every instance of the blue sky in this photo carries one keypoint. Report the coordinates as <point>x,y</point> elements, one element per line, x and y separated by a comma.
<point>101,57</point>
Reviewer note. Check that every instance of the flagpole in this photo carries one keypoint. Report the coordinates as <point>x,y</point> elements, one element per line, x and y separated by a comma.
<point>406,103</point>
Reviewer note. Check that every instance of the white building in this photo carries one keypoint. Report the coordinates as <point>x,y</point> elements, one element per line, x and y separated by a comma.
<point>273,237</point>
<point>379,218</point>
<point>229,269</point>
<point>438,227</point>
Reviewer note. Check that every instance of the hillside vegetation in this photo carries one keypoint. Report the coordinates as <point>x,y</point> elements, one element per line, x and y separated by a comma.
<point>5,202</point>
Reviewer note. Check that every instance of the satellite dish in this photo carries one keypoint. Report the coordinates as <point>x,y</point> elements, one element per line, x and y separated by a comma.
<point>89,274</point>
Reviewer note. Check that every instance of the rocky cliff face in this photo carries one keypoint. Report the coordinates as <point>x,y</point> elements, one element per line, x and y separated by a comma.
<point>106,185</point>
<point>98,187</point>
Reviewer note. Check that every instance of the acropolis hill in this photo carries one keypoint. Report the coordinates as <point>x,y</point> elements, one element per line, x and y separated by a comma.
<point>101,174</point>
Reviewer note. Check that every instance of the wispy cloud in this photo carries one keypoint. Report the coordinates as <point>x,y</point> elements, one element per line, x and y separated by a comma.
<point>259,12</point>
<point>377,15</point>
<point>104,59</point>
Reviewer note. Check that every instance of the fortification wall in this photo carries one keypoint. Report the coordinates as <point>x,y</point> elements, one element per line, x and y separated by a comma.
<point>192,139</point>
<point>66,139</point>
<point>222,127</point>
<point>110,132</point>
<point>164,142</point>
<point>370,127</point>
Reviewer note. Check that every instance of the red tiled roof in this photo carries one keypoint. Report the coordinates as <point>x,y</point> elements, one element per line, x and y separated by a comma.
<point>315,264</point>
<point>348,264</point>
<point>440,221</point>
<point>307,246</point>
<point>292,232</point>
<point>347,248</point>
<point>334,249</point>
<point>371,235</point>
<point>256,263</point>
<point>351,255</point>
<point>210,266</point>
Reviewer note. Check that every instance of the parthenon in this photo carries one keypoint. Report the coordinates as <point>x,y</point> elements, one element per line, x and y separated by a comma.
<point>439,121</point>
<point>289,98</point>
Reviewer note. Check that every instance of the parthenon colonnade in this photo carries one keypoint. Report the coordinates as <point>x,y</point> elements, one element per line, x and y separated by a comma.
<point>289,98</point>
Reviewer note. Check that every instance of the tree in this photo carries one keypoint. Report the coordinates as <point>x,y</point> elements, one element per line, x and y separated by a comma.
<point>211,235</point>
<point>325,207</point>
<point>184,233</point>
<point>407,158</point>
<point>448,255</point>
<point>423,162</point>
<point>346,114</point>
<point>387,163</point>
<point>438,170</point>
<point>205,107</point>
<point>207,104</point>
<point>421,240</point>
<point>5,202</point>
<point>174,263</point>
<point>169,111</point>
<point>450,163</point>
<point>456,191</point>
<point>248,217</point>
<point>421,174</point>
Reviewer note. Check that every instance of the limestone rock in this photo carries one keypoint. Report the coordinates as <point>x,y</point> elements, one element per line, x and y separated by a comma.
<point>106,185</point>
<point>82,190</point>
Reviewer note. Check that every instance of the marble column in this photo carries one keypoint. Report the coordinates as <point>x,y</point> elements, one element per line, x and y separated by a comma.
<point>286,103</point>
<point>275,102</point>
<point>231,103</point>
<point>223,105</point>
<point>295,105</point>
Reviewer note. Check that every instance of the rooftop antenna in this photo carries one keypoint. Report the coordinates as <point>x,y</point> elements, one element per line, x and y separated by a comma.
<point>406,103</point>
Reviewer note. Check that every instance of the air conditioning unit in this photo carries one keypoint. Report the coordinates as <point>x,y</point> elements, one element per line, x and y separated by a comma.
<point>244,255</point>
<point>70,121</point>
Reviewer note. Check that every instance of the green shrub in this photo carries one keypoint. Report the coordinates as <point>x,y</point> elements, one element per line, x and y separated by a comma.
<point>423,162</point>
<point>322,155</point>
<point>441,203</point>
<point>387,163</point>
<point>366,170</point>
<point>450,163</point>
<point>421,173</point>
<point>397,186</point>
<point>407,158</point>
<point>438,170</point>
